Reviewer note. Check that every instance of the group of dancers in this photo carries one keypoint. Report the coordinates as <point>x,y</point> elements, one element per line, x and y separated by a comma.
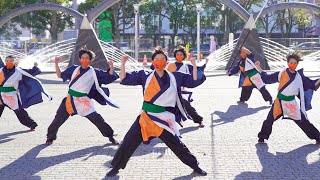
<point>166,101</point>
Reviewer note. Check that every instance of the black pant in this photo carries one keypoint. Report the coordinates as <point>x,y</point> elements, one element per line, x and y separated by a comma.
<point>133,139</point>
<point>62,115</point>
<point>308,128</point>
<point>192,112</point>
<point>247,91</point>
<point>23,117</point>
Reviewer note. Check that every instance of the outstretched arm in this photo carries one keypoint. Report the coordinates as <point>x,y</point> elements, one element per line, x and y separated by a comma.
<point>34,71</point>
<point>267,78</point>
<point>57,61</point>
<point>201,68</point>
<point>309,83</point>
<point>123,67</point>
<point>194,71</point>
<point>111,70</point>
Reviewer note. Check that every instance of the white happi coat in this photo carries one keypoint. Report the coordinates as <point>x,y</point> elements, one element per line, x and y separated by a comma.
<point>256,79</point>
<point>183,69</point>
<point>11,99</point>
<point>84,105</point>
<point>291,108</point>
<point>167,99</point>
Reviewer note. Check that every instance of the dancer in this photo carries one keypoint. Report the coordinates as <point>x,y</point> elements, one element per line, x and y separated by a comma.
<point>249,77</point>
<point>35,69</point>
<point>180,54</point>
<point>20,90</point>
<point>292,83</point>
<point>85,84</point>
<point>162,102</point>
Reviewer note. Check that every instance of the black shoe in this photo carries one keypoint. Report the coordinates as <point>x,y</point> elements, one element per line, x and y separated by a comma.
<point>261,141</point>
<point>112,172</point>
<point>49,142</point>
<point>32,128</point>
<point>199,172</point>
<point>201,125</point>
<point>113,141</point>
<point>270,102</point>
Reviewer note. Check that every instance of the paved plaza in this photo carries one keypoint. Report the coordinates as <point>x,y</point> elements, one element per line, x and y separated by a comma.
<point>226,147</point>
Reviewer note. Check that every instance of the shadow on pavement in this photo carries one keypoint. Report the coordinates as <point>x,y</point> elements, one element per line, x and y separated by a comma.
<point>292,165</point>
<point>29,164</point>
<point>234,112</point>
<point>5,137</point>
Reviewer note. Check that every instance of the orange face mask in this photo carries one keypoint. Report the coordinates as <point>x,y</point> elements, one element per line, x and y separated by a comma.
<point>179,58</point>
<point>292,67</point>
<point>9,65</point>
<point>85,63</point>
<point>159,64</point>
<point>243,54</point>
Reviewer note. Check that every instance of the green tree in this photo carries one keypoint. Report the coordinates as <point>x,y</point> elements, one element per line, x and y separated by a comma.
<point>208,20</point>
<point>270,21</point>
<point>152,14</point>
<point>9,29</point>
<point>174,11</point>
<point>303,20</point>
<point>39,21</point>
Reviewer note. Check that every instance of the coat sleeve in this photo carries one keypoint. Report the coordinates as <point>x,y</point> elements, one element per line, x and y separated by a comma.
<point>270,78</point>
<point>104,77</point>
<point>199,68</point>
<point>34,71</point>
<point>67,74</point>
<point>135,78</point>
<point>187,79</point>
<point>235,69</point>
<point>308,84</point>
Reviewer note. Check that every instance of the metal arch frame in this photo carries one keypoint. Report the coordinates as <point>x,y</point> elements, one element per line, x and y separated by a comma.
<point>104,5</point>
<point>94,13</point>
<point>237,8</point>
<point>287,5</point>
<point>40,6</point>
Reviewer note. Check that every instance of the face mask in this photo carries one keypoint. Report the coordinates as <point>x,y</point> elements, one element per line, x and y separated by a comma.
<point>243,54</point>
<point>85,63</point>
<point>292,67</point>
<point>159,64</point>
<point>179,58</point>
<point>9,65</point>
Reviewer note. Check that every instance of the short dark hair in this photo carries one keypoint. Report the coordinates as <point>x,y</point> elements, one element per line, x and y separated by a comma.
<point>159,50</point>
<point>89,52</point>
<point>11,57</point>
<point>295,56</point>
<point>181,49</point>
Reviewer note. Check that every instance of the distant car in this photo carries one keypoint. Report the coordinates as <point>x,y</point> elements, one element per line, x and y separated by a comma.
<point>147,46</point>
<point>205,49</point>
<point>124,46</point>
<point>308,46</point>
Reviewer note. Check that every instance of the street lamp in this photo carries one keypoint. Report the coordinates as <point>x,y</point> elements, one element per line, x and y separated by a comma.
<point>225,17</point>
<point>136,34</point>
<point>199,8</point>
